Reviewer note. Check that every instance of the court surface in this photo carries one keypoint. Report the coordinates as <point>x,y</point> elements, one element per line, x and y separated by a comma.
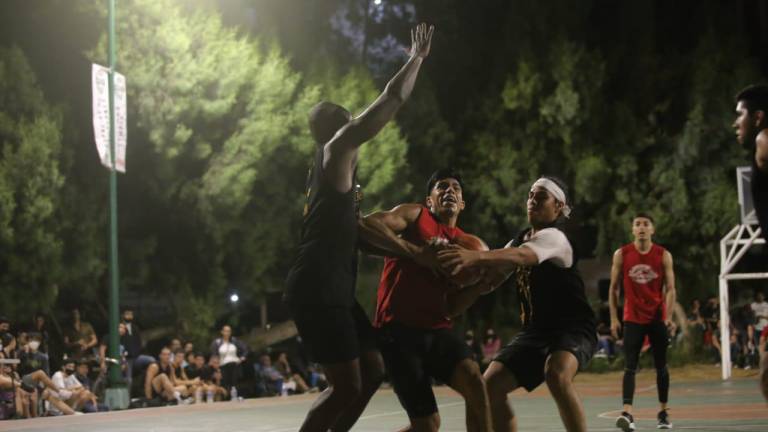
<point>699,401</point>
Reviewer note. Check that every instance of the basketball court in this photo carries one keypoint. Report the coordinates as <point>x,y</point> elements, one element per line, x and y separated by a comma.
<point>700,401</point>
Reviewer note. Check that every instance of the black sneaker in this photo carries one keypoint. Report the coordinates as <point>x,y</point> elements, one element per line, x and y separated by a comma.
<point>625,422</point>
<point>664,422</point>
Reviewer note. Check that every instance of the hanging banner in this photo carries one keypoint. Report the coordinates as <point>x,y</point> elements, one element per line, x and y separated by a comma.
<point>101,131</point>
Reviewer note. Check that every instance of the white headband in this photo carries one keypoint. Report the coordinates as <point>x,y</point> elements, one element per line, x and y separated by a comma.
<point>556,192</point>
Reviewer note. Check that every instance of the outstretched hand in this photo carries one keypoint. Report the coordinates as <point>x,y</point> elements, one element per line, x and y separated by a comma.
<point>421,40</point>
<point>455,258</point>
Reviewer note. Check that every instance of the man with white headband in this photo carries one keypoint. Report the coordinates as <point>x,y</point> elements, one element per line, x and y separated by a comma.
<point>558,336</point>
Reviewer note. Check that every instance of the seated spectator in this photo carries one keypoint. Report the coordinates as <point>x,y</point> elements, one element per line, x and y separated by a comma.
<point>182,383</point>
<point>195,367</point>
<point>273,380</point>
<point>83,375</point>
<point>123,355</point>
<point>174,346</point>
<point>22,391</point>
<point>211,377</point>
<point>605,341</point>
<point>163,378</point>
<point>491,346</point>
<point>79,337</point>
<point>291,379</point>
<point>231,353</point>
<point>32,359</point>
<point>7,340</point>
<point>65,379</point>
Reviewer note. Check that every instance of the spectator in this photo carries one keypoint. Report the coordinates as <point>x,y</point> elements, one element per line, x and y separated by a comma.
<point>231,353</point>
<point>79,337</point>
<point>31,357</point>
<point>474,346</point>
<point>491,346</point>
<point>7,341</point>
<point>65,379</point>
<point>605,341</point>
<point>83,375</point>
<point>694,314</point>
<point>196,366</point>
<point>40,328</point>
<point>131,341</point>
<point>273,380</point>
<point>211,376</point>
<point>291,379</point>
<point>23,390</point>
<point>182,383</point>
<point>174,346</point>
<point>122,359</point>
<point>760,309</point>
<point>157,379</point>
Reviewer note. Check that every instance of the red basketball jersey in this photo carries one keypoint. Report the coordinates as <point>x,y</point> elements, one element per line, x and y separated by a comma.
<point>643,284</point>
<point>411,294</point>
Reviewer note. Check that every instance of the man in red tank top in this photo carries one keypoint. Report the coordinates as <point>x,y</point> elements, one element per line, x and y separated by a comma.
<point>416,339</point>
<point>646,272</point>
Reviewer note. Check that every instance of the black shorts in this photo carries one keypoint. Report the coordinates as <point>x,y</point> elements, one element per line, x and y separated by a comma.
<point>415,356</point>
<point>526,356</point>
<point>334,334</point>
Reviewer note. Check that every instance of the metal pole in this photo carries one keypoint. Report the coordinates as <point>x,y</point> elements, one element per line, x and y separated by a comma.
<point>114,278</point>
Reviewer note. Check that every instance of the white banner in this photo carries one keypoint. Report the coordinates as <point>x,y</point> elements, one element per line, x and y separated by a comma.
<point>100,84</point>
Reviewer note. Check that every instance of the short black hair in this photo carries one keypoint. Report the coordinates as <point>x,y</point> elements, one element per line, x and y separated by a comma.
<point>755,97</point>
<point>441,174</point>
<point>325,119</point>
<point>643,215</point>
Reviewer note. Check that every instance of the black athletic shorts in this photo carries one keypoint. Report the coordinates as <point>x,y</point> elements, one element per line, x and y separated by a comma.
<point>413,357</point>
<point>334,334</point>
<point>526,355</point>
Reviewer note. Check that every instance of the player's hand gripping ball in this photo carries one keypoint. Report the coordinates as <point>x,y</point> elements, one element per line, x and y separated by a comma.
<point>468,276</point>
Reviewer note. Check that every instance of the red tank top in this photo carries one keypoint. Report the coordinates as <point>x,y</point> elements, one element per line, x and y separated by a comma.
<point>643,284</point>
<point>409,293</point>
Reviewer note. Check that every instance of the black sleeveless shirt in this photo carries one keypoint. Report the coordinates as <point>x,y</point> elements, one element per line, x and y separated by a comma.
<point>325,270</point>
<point>760,196</point>
<point>551,297</point>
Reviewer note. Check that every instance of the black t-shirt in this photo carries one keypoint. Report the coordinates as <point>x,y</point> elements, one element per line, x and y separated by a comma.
<point>325,269</point>
<point>760,196</point>
<point>552,297</point>
<point>193,372</point>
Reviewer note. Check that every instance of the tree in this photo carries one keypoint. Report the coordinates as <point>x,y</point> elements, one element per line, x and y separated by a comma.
<point>30,185</point>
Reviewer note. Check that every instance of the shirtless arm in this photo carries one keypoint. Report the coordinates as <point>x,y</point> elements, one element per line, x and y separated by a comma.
<point>341,150</point>
<point>382,230</point>
<point>613,292</point>
<point>669,286</point>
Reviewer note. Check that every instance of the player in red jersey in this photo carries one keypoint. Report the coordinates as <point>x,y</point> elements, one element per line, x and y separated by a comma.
<point>646,272</point>
<point>412,310</point>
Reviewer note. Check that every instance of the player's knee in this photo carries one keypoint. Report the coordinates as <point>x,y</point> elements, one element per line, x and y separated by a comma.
<point>497,390</point>
<point>557,379</point>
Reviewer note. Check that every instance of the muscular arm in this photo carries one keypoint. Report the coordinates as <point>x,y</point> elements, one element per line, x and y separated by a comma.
<point>669,285</point>
<point>341,150</point>
<point>761,151</point>
<point>613,292</point>
<point>381,230</point>
<point>503,260</point>
<point>459,301</point>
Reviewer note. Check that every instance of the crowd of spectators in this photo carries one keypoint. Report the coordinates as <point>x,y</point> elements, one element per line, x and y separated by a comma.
<point>748,331</point>
<point>38,381</point>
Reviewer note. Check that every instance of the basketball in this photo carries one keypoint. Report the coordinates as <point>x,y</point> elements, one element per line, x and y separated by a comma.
<point>471,276</point>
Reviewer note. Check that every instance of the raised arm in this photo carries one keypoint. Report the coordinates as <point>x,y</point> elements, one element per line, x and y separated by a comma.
<point>669,286</point>
<point>365,126</point>
<point>613,292</point>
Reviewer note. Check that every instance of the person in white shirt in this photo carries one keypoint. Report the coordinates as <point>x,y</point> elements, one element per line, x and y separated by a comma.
<point>77,394</point>
<point>760,308</point>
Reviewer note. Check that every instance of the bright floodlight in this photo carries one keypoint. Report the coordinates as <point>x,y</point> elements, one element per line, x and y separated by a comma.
<point>234,298</point>
<point>377,2</point>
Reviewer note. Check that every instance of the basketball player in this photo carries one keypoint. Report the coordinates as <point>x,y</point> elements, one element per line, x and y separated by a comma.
<point>558,336</point>
<point>416,339</point>
<point>646,272</point>
<point>321,284</point>
<point>750,124</point>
